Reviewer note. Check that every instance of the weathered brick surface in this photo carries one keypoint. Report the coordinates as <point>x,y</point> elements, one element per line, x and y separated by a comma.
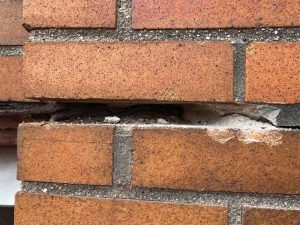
<point>80,154</point>
<point>37,209</point>
<point>254,216</point>
<point>75,14</point>
<point>273,72</point>
<point>217,160</point>
<point>11,78</point>
<point>130,71</point>
<point>215,14</point>
<point>11,30</point>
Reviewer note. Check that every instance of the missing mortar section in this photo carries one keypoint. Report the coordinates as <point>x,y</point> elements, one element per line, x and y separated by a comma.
<point>286,116</point>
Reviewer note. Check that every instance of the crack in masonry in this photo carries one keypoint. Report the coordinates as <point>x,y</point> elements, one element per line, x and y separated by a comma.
<point>285,116</point>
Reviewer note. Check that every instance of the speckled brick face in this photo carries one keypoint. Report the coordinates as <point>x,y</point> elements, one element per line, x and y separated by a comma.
<point>42,209</point>
<point>130,71</point>
<point>161,14</point>
<point>75,154</point>
<point>11,78</point>
<point>11,30</point>
<point>217,160</point>
<point>273,72</point>
<point>254,216</point>
<point>74,14</point>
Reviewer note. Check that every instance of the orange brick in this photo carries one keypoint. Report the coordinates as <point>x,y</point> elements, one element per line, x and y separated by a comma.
<point>10,77</point>
<point>38,209</point>
<point>181,14</point>
<point>65,153</point>
<point>75,14</point>
<point>273,72</point>
<point>11,32</point>
<point>254,216</point>
<point>265,161</point>
<point>130,71</point>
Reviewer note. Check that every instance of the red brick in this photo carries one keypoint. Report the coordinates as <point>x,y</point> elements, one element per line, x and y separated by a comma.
<point>36,209</point>
<point>273,72</point>
<point>7,122</point>
<point>10,77</point>
<point>162,14</point>
<point>130,71</point>
<point>8,137</point>
<point>12,32</point>
<point>255,216</point>
<point>265,161</point>
<point>65,153</point>
<point>75,14</point>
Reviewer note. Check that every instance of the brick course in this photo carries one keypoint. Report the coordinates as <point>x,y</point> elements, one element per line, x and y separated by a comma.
<point>36,209</point>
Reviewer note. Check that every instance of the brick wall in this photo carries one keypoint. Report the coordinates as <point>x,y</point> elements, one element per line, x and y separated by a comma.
<point>154,112</point>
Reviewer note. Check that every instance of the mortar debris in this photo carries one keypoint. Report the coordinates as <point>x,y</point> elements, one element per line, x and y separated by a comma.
<point>215,114</point>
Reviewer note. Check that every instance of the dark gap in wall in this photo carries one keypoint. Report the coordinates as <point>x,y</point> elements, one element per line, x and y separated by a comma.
<point>287,116</point>
<point>6,215</point>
